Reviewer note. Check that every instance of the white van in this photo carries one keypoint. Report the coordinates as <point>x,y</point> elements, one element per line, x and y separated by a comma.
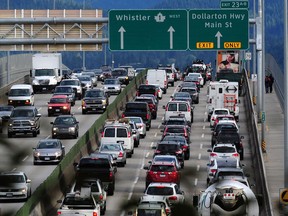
<point>21,95</point>
<point>157,77</point>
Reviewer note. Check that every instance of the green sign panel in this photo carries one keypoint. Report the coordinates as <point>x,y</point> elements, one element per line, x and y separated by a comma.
<point>234,4</point>
<point>218,29</point>
<point>148,30</point>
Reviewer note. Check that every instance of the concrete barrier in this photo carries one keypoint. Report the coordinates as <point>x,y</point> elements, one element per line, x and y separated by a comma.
<point>44,199</point>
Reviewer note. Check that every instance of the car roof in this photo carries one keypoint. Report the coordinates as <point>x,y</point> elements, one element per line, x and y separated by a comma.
<point>166,184</point>
<point>59,96</point>
<point>24,107</point>
<point>11,173</point>
<point>27,86</point>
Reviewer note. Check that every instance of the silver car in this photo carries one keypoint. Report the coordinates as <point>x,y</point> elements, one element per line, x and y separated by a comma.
<point>112,86</point>
<point>116,150</point>
<point>14,185</point>
<point>48,151</point>
<point>140,124</point>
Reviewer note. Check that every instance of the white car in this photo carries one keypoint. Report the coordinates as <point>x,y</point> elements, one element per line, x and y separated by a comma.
<point>218,111</point>
<point>223,151</point>
<point>140,124</point>
<point>168,190</point>
<point>157,199</point>
<point>178,108</point>
<point>199,76</point>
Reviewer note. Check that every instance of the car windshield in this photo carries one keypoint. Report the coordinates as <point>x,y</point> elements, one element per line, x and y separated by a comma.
<point>162,168</point>
<point>70,82</point>
<point>58,100</point>
<point>168,159</point>
<point>91,74</point>
<point>190,90</point>
<point>48,145</point>
<point>221,112</point>
<point>160,190</point>
<point>12,179</point>
<point>176,122</point>
<point>110,147</point>
<point>63,89</point>
<point>168,147</point>
<point>182,95</point>
<point>6,108</point>
<point>22,113</point>
<point>228,138</point>
<point>87,201</point>
<point>230,173</point>
<point>19,92</point>
<point>175,130</point>
<point>44,72</point>
<point>136,120</point>
<point>176,139</point>
<point>64,120</point>
<point>84,78</point>
<point>94,94</point>
<point>110,82</point>
<point>119,73</point>
<point>94,162</point>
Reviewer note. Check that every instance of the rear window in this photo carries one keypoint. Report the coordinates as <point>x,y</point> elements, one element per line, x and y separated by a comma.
<point>149,212</point>
<point>224,149</point>
<point>174,130</point>
<point>109,132</point>
<point>94,163</point>
<point>221,112</point>
<point>172,107</point>
<point>175,122</point>
<point>160,190</point>
<point>162,168</point>
<point>121,132</point>
<point>228,173</point>
<point>183,107</point>
<point>168,147</point>
<point>136,106</point>
<point>147,87</point>
<point>228,138</point>
<point>147,100</point>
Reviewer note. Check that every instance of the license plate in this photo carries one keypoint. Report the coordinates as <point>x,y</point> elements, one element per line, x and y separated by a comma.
<point>43,88</point>
<point>122,142</point>
<point>47,158</point>
<point>162,176</point>
<point>9,194</point>
<point>57,110</point>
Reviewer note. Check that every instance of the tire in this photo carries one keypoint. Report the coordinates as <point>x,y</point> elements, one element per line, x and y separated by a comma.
<point>148,128</point>
<point>49,114</point>
<point>242,155</point>
<point>165,91</point>
<point>197,102</point>
<point>35,163</point>
<point>38,132</point>
<point>187,156</point>
<point>192,118</point>
<point>53,137</point>
<point>111,188</point>
<point>172,84</point>
<point>34,133</point>
<point>84,112</point>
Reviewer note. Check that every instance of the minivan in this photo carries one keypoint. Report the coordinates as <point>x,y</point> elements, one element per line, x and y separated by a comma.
<point>157,77</point>
<point>21,95</point>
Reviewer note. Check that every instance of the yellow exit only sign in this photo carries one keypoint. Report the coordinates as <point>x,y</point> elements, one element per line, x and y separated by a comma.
<point>232,45</point>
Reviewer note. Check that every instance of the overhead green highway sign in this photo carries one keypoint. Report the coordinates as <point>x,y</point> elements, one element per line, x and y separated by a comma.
<point>148,30</point>
<point>178,30</point>
<point>218,29</point>
<point>236,4</point>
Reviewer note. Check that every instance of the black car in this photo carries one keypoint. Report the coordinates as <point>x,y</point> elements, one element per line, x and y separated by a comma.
<point>183,143</point>
<point>151,103</point>
<point>94,100</point>
<point>147,89</point>
<point>177,130</point>
<point>121,74</point>
<point>65,126</point>
<point>170,148</point>
<point>177,120</point>
<point>219,128</point>
<point>193,93</point>
<point>231,136</point>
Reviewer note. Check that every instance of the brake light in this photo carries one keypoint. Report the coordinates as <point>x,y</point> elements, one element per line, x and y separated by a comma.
<point>235,155</point>
<point>129,134</point>
<point>165,83</point>
<point>147,116</point>
<point>185,133</point>
<point>59,213</point>
<point>189,109</point>
<point>235,101</point>
<point>120,154</point>
<point>155,93</point>
<point>137,93</point>
<point>167,210</point>
<point>185,147</point>
<point>173,198</point>
<point>27,102</point>
<point>111,175</point>
<point>166,108</point>
<point>95,214</point>
<point>213,154</point>
<point>101,197</point>
<point>146,82</point>
<point>213,171</point>
<point>157,151</point>
<point>179,152</point>
<point>102,134</point>
<point>213,118</point>
<point>172,75</point>
<point>123,115</point>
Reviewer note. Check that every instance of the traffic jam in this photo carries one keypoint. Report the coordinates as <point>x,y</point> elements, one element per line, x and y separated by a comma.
<point>167,96</point>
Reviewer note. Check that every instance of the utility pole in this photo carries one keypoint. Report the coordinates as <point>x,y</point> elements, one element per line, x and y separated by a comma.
<point>8,52</point>
<point>285,94</point>
<point>83,52</point>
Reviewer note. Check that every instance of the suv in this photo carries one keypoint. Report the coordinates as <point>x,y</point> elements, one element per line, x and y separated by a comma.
<point>162,172</point>
<point>140,109</point>
<point>119,132</point>
<point>147,89</point>
<point>121,74</point>
<point>24,119</point>
<point>170,148</point>
<point>95,99</point>
<point>183,143</point>
<point>230,126</point>
<point>151,103</point>
<point>178,108</point>
<point>21,95</point>
<point>170,74</point>
<point>65,126</point>
<point>14,185</point>
<point>177,120</point>
<point>231,136</point>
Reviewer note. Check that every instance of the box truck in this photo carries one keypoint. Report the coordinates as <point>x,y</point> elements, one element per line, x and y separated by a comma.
<point>46,71</point>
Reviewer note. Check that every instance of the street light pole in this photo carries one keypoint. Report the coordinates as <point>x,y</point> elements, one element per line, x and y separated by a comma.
<point>8,52</point>
<point>83,52</point>
<point>285,93</point>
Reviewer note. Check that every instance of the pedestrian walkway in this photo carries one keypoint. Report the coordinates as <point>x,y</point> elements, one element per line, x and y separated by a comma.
<point>274,158</point>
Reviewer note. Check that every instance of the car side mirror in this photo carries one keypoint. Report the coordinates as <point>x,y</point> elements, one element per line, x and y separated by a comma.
<point>52,123</point>
<point>75,164</point>
<point>146,167</point>
<point>209,150</point>
<point>164,107</point>
<point>211,174</point>
<point>28,180</point>
<point>153,147</point>
<point>242,137</point>
<point>59,201</point>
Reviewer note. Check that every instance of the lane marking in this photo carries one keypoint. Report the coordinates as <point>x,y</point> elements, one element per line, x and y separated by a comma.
<point>199,156</point>
<point>13,169</point>
<point>203,135</point>
<point>123,213</point>
<point>130,195</point>
<point>155,134</point>
<point>136,180</point>
<point>147,155</point>
<point>152,143</point>
<point>204,127</point>
<point>48,137</point>
<point>79,107</point>
<point>201,146</point>
<point>159,126</point>
<point>162,118</point>
<point>39,108</point>
<point>25,158</point>
<point>205,113</point>
<point>198,167</point>
<point>196,181</point>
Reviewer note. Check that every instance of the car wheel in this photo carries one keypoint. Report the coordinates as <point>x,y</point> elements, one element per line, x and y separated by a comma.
<point>34,133</point>
<point>38,132</point>
<point>84,112</point>
<point>10,134</point>
<point>111,187</point>
<point>35,163</point>
<point>172,84</point>
<point>197,102</point>
<point>165,91</point>
<point>187,156</point>
<point>49,114</point>
<point>242,155</point>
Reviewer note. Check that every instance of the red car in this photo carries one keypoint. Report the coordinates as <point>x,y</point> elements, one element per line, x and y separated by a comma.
<point>162,172</point>
<point>59,104</point>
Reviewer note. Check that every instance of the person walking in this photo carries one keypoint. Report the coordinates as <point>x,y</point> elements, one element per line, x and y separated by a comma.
<point>271,81</point>
<point>267,82</point>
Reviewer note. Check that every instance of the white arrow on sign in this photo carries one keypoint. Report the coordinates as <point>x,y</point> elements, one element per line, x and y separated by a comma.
<point>171,30</point>
<point>121,30</point>
<point>218,35</point>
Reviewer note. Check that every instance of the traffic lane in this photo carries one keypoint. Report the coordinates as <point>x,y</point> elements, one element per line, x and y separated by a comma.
<point>130,180</point>
<point>17,154</point>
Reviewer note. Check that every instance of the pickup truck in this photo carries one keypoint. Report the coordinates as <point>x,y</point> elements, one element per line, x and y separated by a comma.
<point>97,191</point>
<point>79,204</point>
<point>97,165</point>
<point>140,109</point>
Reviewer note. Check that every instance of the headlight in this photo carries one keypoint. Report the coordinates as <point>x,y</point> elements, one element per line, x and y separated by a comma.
<point>126,77</point>
<point>23,190</point>
<point>103,102</point>
<point>49,107</point>
<point>105,87</point>
<point>10,124</point>
<point>35,82</point>
<point>58,153</point>
<point>65,107</point>
<point>36,154</point>
<point>55,129</point>
<point>32,123</point>
<point>71,129</point>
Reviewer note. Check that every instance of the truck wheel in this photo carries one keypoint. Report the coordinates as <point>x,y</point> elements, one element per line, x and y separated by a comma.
<point>242,155</point>
<point>34,133</point>
<point>38,132</point>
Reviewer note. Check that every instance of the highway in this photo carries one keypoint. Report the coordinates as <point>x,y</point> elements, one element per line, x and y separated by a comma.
<point>130,180</point>
<point>18,150</point>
